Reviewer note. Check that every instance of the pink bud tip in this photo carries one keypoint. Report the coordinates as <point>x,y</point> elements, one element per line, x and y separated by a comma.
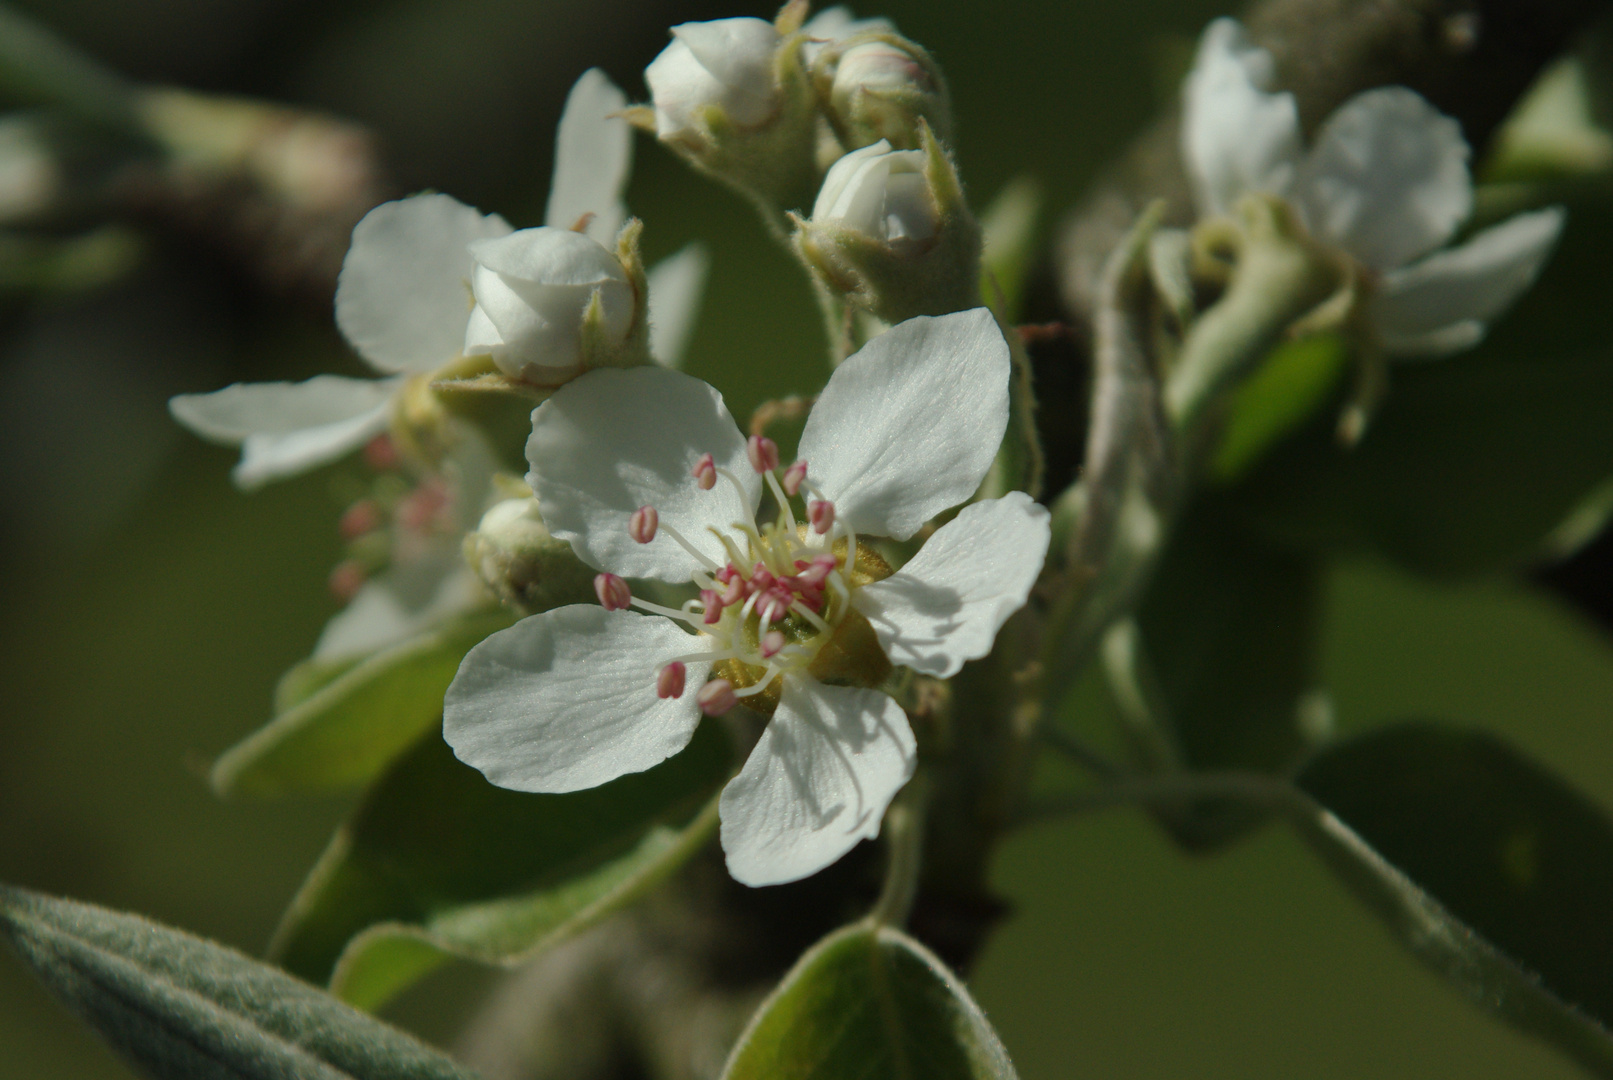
<point>642,525</point>
<point>669,684</point>
<point>381,453</point>
<point>705,472</point>
<point>347,579</point>
<point>794,477</point>
<point>716,697</point>
<point>772,642</point>
<point>821,512</point>
<point>763,453</point>
<point>713,602</point>
<point>612,591</point>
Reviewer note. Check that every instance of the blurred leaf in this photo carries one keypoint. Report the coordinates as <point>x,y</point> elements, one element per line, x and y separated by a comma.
<point>345,726</point>
<point>439,862</point>
<point>181,1007</point>
<point>1487,867</point>
<point>1231,627</point>
<point>1288,388</point>
<point>1473,459</point>
<point>869,1001</point>
<point>1011,239</point>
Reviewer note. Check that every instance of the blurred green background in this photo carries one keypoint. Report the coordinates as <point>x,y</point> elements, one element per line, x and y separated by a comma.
<point>149,608</point>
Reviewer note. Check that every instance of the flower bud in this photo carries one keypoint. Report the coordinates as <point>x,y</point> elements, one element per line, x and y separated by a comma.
<point>724,65</point>
<point>525,567</point>
<point>880,87</point>
<point>552,303</point>
<point>890,233</point>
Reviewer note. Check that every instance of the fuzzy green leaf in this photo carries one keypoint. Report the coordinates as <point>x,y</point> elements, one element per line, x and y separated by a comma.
<point>183,1008</point>
<point>869,1002</point>
<point>1485,865</point>
<point>342,725</point>
<point>437,862</point>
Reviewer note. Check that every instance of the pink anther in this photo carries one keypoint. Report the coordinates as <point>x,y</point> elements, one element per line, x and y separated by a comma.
<point>362,517</point>
<point>772,642</point>
<point>763,453</point>
<point>705,472</point>
<point>612,591</point>
<point>794,477</point>
<point>821,512</point>
<point>761,578</point>
<point>733,590</point>
<point>716,697</point>
<point>381,453</point>
<point>346,580</point>
<point>813,574</point>
<point>774,605</point>
<point>642,525</point>
<point>713,602</point>
<point>669,684</point>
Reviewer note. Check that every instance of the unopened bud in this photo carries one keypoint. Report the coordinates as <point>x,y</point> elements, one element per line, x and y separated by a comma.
<point>521,564</point>
<point>763,453</point>
<point>716,697</point>
<point>613,593</point>
<point>821,512</point>
<point>642,525</point>
<point>705,472</point>
<point>669,684</point>
<point>794,477</point>
<point>881,87</point>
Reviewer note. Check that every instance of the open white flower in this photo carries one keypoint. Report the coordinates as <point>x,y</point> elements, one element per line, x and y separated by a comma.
<point>1387,182</point>
<point>646,474</point>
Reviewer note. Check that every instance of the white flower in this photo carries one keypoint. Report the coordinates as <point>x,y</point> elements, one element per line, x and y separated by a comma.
<point>879,192</point>
<point>838,24</point>
<point>646,474</point>
<point>726,64</point>
<point>1387,182</point>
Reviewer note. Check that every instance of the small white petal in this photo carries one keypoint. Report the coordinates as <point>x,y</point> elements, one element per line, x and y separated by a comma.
<point>909,425</point>
<point>618,439</point>
<point>565,700</point>
<point>739,54</point>
<point>947,604</point>
<point>818,781</point>
<point>1237,137</point>
<point>676,284</point>
<point>593,152</point>
<point>545,256</point>
<point>1433,307</point>
<point>399,604</point>
<point>401,300</point>
<point>288,428</point>
<point>879,192</point>
<point>1387,179</point>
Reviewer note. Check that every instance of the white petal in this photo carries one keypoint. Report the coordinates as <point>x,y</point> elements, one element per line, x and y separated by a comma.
<point>818,781</point>
<point>546,256</point>
<point>565,700</point>
<point>1466,286</point>
<point>1236,136</point>
<point>618,439</point>
<point>288,428</point>
<point>909,425</point>
<point>1387,179</point>
<point>676,284</point>
<point>739,55</point>
<point>593,151</point>
<point>947,604</point>
<point>398,605</point>
<point>402,297</point>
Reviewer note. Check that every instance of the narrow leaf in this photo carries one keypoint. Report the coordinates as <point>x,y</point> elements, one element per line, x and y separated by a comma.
<point>869,1001</point>
<point>341,727</point>
<point>183,1008</point>
<point>1485,865</point>
<point>437,862</point>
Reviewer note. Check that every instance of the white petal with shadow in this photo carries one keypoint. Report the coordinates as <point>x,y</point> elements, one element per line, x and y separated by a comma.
<point>593,152</point>
<point>565,700</point>
<point>1237,136</point>
<point>818,781</point>
<point>676,284</point>
<point>910,423</point>
<point>947,604</point>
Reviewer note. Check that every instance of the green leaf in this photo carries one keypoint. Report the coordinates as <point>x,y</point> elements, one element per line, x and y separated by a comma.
<point>341,725</point>
<point>1473,459</point>
<point>1010,249</point>
<point>1232,628</point>
<point>1485,865</point>
<point>181,1007</point>
<point>437,862</point>
<point>869,1001</point>
<point>1292,383</point>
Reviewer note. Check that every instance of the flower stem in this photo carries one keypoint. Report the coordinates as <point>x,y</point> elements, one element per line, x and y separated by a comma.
<point>904,842</point>
<point>1250,788</point>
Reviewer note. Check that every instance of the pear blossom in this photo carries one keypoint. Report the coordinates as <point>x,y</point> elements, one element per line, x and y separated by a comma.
<point>1386,182</point>
<point>799,618</point>
<point>879,192</point>
<point>724,64</point>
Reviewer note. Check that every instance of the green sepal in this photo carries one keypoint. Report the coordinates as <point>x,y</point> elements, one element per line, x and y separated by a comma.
<point>181,1008</point>
<point>437,862</point>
